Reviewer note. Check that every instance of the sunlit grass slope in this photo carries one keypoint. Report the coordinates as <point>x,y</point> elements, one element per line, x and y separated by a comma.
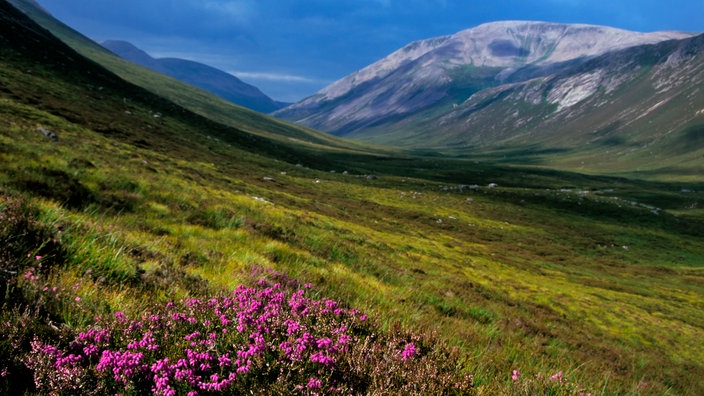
<point>145,202</point>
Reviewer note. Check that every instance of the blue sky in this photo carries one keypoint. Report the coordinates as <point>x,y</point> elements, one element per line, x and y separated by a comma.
<point>292,48</point>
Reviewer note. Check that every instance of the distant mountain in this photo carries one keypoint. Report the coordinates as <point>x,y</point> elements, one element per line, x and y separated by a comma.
<point>513,83</point>
<point>203,76</point>
<point>256,126</point>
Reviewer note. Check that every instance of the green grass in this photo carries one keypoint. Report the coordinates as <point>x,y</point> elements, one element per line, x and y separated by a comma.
<point>518,278</point>
<point>527,275</point>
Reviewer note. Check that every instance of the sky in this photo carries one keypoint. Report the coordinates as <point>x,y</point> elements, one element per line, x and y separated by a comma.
<point>292,48</point>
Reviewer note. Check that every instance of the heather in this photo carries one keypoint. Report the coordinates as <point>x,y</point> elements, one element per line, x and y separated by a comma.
<point>268,339</point>
<point>276,336</point>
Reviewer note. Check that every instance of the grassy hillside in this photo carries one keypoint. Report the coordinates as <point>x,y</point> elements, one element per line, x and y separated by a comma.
<point>140,202</point>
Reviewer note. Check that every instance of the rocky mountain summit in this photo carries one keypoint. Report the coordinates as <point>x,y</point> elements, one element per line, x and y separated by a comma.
<point>436,76</point>
<point>508,44</point>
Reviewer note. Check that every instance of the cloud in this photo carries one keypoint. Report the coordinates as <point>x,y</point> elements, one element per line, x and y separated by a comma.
<point>282,77</point>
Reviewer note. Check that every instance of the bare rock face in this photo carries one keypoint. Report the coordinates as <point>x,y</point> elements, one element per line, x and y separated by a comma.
<point>427,72</point>
<point>508,44</point>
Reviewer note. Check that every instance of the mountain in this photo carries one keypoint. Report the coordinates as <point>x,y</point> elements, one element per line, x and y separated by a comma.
<point>449,69</point>
<point>640,106</point>
<point>203,76</point>
<point>445,93</point>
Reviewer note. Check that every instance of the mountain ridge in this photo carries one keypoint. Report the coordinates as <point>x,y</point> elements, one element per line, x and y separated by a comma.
<point>493,44</point>
<point>488,45</point>
<point>458,93</point>
<point>200,75</point>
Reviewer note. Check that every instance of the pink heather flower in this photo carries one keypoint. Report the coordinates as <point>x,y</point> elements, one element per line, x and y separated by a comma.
<point>324,343</point>
<point>557,377</point>
<point>319,357</point>
<point>363,318</point>
<point>224,360</point>
<point>193,335</point>
<point>30,275</point>
<point>286,348</point>
<point>516,375</point>
<point>78,299</point>
<point>344,339</point>
<point>91,350</point>
<point>314,383</point>
<point>408,351</point>
<point>160,365</point>
<point>292,326</point>
<point>37,258</point>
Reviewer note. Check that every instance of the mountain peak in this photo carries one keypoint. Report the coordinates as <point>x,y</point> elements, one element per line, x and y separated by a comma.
<point>506,44</point>
<point>203,76</point>
<point>129,51</point>
<point>444,72</point>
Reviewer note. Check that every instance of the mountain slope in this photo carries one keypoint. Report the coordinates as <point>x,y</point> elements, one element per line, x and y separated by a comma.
<point>425,72</point>
<point>203,76</point>
<point>192,98</point>
<point>640,108</point>
<point>444,93</point>
<point>117,108</point>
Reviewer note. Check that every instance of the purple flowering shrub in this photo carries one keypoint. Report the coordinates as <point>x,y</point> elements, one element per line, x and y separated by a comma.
<point>28,249</point>
<point>24,242</point>
<point>267,339</point>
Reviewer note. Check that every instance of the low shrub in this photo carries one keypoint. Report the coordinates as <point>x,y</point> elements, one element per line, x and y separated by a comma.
<point>28,248</point>
<point>24,242</point>
<point>268,339</point>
